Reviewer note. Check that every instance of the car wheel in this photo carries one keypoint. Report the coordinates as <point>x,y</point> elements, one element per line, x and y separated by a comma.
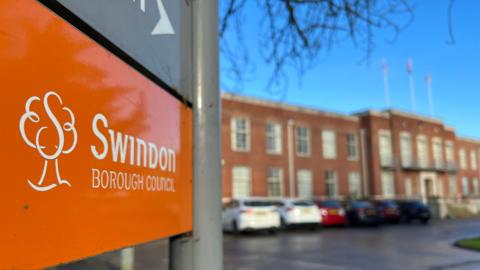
<point>283,224</point>
<point>424,220</point>
<point>235,227</point>
<point>272,231</point>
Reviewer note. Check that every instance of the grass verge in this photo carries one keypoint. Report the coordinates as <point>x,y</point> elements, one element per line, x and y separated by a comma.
<point>471,243</point>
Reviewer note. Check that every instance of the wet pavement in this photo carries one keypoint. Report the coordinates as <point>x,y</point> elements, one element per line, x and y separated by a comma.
<point>393,247</point>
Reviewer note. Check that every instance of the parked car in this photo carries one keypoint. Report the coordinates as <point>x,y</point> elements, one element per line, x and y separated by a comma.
<point>362,213</point>
<point>389,210</point>
<point>414,210</point>
<point>332,212</point>
<point>297,212</point>
<point>250,214</point>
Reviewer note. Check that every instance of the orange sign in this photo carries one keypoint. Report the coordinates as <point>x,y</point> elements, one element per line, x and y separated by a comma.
<point>95,157</point>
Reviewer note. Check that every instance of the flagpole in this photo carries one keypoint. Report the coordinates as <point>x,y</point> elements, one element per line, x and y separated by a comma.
<point>411,83</point>
<point>428,79</point>
<point>386,88</point>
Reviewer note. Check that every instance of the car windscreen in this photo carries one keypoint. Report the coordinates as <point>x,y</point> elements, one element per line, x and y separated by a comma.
<point>413,204</point>
<point>388,204</point>
<point>278,203</point>
<point>330,204</point>
<point>303,203</point>
<point>361,204</point>
<point>257,203</point>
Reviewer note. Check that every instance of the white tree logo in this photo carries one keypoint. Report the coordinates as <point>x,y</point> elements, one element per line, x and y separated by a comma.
<point>68,127</point>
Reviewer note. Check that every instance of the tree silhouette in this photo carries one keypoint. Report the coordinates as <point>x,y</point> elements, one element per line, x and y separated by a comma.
<point>67,128</point>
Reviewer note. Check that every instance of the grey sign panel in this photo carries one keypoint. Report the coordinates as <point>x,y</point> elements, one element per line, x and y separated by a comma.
<point>156,33</point>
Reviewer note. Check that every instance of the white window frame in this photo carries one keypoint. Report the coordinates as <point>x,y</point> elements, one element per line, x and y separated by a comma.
<point>465,186</point>
<point>462,156</point>
<point>235,132</point>
<point>329,144</point>
<point>305,184</point>
<point>273,135</point>
<point>302,139</point>
<point>449,153</point>
<point>437,149</point>
<point>388,184</point>
<point>331,180</point>
<point>275,177</point>
<point>237,181</point>
<point>386,153</point>
<point>406,150</point>
<point>473,160</point>
<point>422,152</point>
<point>475,184</point>
<point>352,146</point>
<point>354,184</point>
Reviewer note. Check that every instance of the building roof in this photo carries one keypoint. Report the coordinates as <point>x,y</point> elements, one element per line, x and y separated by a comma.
<point>286,106</point>
<point>353,117</point>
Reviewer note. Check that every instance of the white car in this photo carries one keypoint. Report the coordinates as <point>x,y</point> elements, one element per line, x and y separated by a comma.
<point>298,212</point>
<point>250,214</point>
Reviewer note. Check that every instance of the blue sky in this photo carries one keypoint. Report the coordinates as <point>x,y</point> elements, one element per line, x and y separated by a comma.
<point>340,83</point>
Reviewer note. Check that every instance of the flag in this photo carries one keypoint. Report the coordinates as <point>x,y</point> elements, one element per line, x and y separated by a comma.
<point>384,67</point>
<point>428,79</point>
<point>409,65</point>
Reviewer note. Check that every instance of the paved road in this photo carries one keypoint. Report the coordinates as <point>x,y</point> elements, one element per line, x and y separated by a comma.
<point>399,247</point>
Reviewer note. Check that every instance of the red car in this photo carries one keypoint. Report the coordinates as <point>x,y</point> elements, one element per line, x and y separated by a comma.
<point>333,214</point>
<point>389,210</point>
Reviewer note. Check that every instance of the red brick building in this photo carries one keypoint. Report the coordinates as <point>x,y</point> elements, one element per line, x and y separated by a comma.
<point>274,149</point>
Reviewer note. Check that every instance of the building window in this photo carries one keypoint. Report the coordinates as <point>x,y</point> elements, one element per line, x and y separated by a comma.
<point>242,179</point>
<point>408,187</point>
<point>352,147</point>
<point>406,149</point>
<point>328,143</point>
<point>240,127</point>
<point>388,184</point>
<point>354,185</point>
<point>274,138</point>
<point>465,187</point>
<point>462,154</point>
<point>437,152</point>
<point>473,160</point>
<point>304,182</point>
<point>452,185</point>
<point>385,143</point>
<point>476,190</point>
<point>449,153</point>
<point>303,141</point>
<point>275,182</point>
<point>422,151</point>
<point>331,189</point>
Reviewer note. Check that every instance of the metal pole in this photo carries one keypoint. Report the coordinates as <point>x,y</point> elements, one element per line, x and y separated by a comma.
<point>430,94</point>
<point>386,90</point>
<point>412,91</point>
<point>127,259</point>
<point>203,249</point>
<point>385,82</point>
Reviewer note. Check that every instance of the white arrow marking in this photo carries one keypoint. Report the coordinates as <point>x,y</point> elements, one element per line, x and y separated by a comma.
<point>142,5</point>
<point>164,26</point>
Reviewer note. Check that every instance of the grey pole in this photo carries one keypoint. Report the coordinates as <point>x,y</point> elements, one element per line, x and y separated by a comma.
<point>203,249</point>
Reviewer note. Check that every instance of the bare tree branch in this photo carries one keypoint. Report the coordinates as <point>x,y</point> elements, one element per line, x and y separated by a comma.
<point>294,33</point>
<point>450,23</point>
